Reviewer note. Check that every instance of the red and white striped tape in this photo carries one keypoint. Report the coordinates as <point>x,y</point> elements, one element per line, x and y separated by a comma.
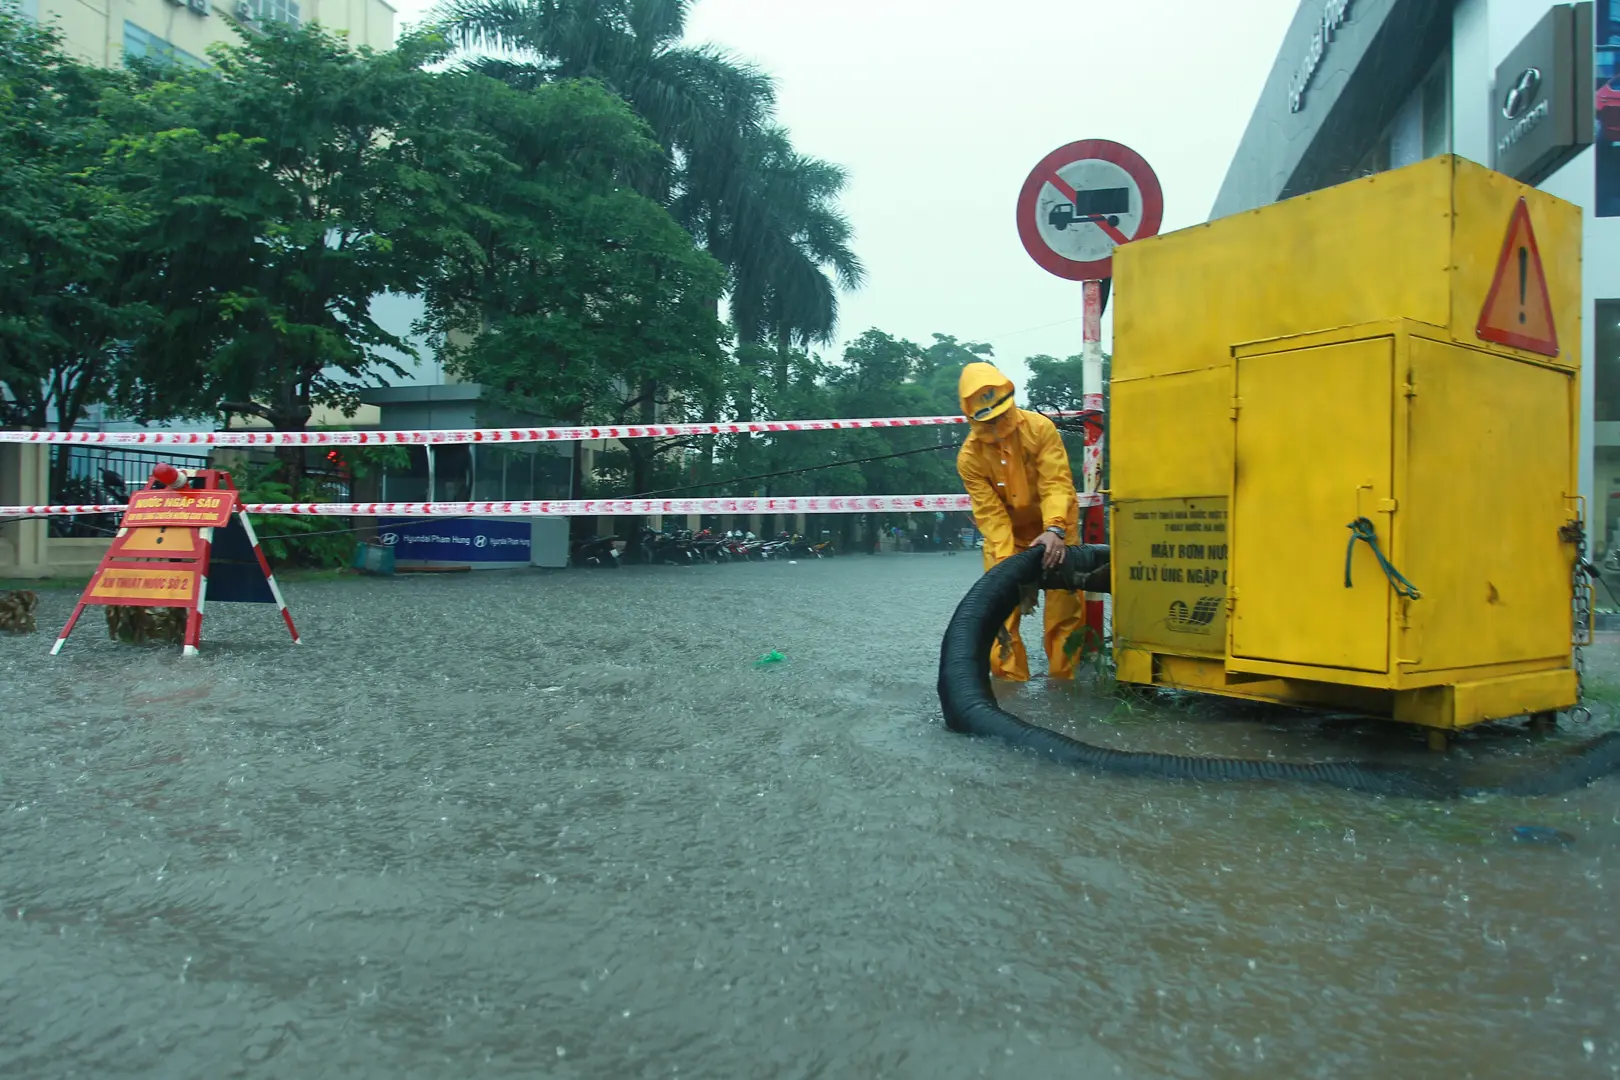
<point>470,435</point>
<point>806,504</point>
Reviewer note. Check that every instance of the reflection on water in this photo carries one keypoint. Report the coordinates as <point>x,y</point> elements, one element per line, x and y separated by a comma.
<point>560,825</point>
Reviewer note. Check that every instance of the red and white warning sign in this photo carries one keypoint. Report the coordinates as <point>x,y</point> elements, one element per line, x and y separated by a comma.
<point>1517,310</point>
<point>181,544</point>
<point>1081,202</point>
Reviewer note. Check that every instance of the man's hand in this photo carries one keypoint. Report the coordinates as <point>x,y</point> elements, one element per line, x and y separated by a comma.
<point>1055,549</point>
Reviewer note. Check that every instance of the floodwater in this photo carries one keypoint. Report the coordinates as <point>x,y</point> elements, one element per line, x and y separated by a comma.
<point>560,825</point>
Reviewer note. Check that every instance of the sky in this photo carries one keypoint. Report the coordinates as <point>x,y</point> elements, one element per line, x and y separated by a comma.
<point>940,109</point>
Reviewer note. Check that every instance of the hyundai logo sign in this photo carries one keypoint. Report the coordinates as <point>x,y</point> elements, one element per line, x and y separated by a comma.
<point>1542,101</point>
<point>480,541</point>
<point>1522,110</point>
<point>1522,94</point>
<point>389,539</point>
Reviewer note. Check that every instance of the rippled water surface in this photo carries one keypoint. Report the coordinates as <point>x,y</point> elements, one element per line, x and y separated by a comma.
<point>559,825</point>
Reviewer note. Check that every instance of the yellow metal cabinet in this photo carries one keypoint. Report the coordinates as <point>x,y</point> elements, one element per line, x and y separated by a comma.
<point>1288,371</point>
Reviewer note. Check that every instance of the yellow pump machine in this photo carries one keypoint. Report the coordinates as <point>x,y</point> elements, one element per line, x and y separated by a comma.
<point>1344,450</point>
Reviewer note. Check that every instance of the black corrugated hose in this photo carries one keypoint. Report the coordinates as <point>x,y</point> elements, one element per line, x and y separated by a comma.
<point>970,708</point>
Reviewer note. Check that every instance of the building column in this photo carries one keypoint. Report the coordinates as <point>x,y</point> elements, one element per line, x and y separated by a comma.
<point>25,479</point>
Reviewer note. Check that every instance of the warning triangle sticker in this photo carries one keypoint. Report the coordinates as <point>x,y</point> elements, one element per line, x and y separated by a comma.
<point>1517,311</point>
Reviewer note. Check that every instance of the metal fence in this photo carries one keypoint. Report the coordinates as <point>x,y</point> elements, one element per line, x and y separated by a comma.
<point>97,474</point>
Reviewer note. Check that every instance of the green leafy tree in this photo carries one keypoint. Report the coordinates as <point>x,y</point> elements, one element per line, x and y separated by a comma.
<point>788,247</point>
<point>67,309</point>
<point>698,101</point>
<point>941,370</point>
<point>1058,385</point>
<point>579,298</point>
<point>290,187</point>
<point>766,212</point>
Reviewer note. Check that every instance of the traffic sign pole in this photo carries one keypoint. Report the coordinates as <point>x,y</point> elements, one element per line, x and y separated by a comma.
<point>1094,530</point>
<point>1078,204</point>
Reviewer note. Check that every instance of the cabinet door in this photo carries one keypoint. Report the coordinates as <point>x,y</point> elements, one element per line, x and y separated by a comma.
<point>1490,469</point>
<point>1314,452</point>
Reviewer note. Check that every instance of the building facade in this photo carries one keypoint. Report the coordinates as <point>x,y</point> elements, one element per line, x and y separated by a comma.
<point>104,32</point>
<point>1361,86</point>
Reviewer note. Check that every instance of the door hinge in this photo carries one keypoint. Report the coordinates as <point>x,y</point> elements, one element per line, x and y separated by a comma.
<point>1388,506</point>
<point>1237,405</point>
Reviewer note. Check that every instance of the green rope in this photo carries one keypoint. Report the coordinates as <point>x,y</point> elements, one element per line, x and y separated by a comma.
<point>1363,529</point>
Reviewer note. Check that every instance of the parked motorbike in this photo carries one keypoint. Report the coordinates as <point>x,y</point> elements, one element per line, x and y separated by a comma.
<point>601,551</point>
<point>798,547</point>
<point>652,546</point>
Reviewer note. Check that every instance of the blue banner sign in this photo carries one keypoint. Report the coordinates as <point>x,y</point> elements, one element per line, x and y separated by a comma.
<point>481,543</point>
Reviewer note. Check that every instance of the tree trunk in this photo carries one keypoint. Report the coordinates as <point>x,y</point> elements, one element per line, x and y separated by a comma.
<point>711,415</point>
<point>784,352</point>
<point>643,452</point>
<point>292,413</point>
<point>69,411</point>
<point>748,349</point>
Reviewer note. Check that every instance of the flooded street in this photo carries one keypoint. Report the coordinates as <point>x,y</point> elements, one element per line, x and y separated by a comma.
<point>560,825</point>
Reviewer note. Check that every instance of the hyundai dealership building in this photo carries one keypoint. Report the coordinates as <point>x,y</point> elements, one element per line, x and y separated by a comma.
<point>1527,88</point>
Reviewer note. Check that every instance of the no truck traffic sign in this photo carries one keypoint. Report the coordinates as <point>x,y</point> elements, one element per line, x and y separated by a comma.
<point>1082,201</point>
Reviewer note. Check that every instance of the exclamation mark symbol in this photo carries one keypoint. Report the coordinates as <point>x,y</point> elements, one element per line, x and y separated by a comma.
<point>1524,274</point>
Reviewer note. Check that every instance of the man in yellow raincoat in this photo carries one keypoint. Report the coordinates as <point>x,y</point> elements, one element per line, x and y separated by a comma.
<point>1017,473</point>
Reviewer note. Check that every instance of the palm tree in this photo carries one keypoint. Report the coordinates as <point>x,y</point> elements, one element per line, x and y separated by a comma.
<point>788,247</point>
<point>701,104</point>
<point>731,178</point>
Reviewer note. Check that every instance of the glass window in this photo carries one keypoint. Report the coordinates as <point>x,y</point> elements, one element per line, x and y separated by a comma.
<point>1406,133</point>
<point>283,11</point>
<point>452,473</point>
<point>1377,159</point>
<point>410,483</point>
<point>1421,128</point>
<point>142,44</point>
<point>488,469</point>
<point>1606,453</point>
<point>553,473</point>
<point>1606,360</point>
<point>520,471</point>
<point>1437,111</point>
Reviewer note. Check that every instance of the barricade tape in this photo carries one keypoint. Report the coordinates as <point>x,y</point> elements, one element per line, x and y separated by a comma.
<point>799,504</point>
<point>471,435</point>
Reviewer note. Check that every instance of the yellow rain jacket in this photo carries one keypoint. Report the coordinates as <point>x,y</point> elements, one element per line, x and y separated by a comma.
<point>1016,471</point>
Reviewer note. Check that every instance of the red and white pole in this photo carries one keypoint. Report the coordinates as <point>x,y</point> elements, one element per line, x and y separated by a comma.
<point>1092,521</point>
